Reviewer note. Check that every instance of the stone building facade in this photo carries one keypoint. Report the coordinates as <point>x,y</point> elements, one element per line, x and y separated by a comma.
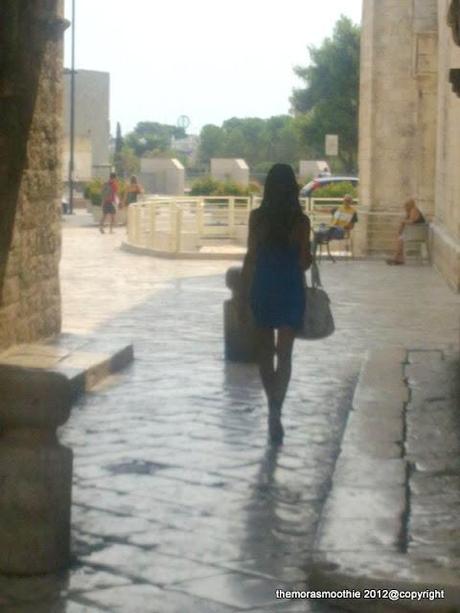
<point>408,122</point>
<point>92,124</point>
<point>30,171</point>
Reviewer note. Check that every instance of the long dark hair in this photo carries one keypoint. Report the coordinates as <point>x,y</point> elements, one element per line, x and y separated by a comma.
<point>280,204</point>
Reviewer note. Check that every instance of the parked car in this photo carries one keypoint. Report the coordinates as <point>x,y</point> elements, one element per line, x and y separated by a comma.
<point>308,189</point>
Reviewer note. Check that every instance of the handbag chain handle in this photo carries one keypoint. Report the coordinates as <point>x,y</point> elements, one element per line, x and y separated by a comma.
<point>315,276</point>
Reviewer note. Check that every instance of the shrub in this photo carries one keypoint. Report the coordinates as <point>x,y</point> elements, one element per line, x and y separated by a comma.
<point>207,186</point>
<point>93,191</point>
<point>336,190</point>
<point>255,187</point>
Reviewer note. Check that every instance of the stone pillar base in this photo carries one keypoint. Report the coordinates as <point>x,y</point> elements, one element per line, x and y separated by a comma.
<point>239,336</point>
<point>35,472</point>
<point>35,502</point>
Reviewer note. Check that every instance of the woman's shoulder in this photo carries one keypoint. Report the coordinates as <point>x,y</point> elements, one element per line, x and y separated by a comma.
<point>256,216</point>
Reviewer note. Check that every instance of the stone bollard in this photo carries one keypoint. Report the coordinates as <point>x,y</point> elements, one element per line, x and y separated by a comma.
<point>239,337</point>
<point>35,472</point>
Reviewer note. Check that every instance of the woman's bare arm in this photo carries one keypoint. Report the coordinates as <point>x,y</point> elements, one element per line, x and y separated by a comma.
<point>414,215</point>
<point>304,243</point>
<point>250,257</point>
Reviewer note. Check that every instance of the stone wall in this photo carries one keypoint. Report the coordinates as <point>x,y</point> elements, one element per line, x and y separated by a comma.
<point>30,148</point>
<point>446,225</point>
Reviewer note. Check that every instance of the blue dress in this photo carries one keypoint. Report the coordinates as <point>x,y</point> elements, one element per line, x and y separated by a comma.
<point>277,295</point>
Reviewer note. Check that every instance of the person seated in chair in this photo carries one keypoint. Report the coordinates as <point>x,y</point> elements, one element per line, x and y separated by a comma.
<point>343,220</point>
<point>413,216</point>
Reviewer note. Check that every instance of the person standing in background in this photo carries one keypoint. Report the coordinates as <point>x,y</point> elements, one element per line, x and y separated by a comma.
<point>132,191</point>
<point>109,202</point>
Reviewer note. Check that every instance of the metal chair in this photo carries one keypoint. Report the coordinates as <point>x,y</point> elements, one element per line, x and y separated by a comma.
<point>325,241</point>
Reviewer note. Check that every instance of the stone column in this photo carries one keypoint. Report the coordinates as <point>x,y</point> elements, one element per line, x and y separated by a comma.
<point>397,114</point>
<point>30,168</point>
<point>239,336</point>
<point>35,472</point>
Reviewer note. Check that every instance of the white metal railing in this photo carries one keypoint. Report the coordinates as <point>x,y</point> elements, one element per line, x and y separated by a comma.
<point>181,224</point>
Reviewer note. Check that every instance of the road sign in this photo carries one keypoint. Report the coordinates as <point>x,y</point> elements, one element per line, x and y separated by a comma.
<point>331,144</point>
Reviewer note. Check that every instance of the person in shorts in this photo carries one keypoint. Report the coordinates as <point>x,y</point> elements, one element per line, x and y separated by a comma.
<point>343,220</point>
<point>109,202</point>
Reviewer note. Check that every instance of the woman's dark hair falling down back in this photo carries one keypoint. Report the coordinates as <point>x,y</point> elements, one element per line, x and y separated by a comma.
<point>280,203</point>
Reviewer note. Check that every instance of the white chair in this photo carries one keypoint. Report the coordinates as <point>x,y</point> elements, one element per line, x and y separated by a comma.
<point>415,237</point>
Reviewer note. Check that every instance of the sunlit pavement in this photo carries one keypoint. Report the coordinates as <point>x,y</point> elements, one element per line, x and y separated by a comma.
<point>178,503</point>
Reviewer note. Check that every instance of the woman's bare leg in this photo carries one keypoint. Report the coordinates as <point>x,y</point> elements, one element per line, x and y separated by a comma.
<point>101,225</point>
<point>266,359</point>
<point>284,346</point>
<point>399,254</point>
<point>282,376</point>
<point>398,257</point>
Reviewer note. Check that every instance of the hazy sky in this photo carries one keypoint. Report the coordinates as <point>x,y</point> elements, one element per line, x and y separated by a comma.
<point>206,59</point>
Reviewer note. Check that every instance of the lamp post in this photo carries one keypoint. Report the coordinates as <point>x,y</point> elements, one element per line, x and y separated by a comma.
<point>72,114</point>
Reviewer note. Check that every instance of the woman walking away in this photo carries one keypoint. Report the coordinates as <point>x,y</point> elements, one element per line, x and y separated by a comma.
<point>273,283</point>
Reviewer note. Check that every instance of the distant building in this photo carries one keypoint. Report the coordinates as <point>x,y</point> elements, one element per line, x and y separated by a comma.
<point>163,176</point>
<point>92,125</point>
<point>234,169</point>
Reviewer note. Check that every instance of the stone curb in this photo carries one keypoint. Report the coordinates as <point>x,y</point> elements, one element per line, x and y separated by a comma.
<point>183,255</point>
<point>361,538</point>
<point>191,255</point>
<point>84,361</point>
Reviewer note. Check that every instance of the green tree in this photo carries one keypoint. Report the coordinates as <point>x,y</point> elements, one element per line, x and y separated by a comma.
<point>329,100</point>
<point>152,137</point>
<point>211,143</point>
<point>258,141</point>
<point>117,156</point>
<point>129,162</point>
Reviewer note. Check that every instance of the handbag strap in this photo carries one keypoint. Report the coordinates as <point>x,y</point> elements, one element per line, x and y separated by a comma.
<point>315,276</point>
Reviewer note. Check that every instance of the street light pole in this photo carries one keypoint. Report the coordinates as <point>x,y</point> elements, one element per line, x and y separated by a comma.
<point>72,113</point>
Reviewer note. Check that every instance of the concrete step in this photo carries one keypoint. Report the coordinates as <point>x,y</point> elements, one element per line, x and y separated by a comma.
<point>386,525</point>
<point>84,360</point>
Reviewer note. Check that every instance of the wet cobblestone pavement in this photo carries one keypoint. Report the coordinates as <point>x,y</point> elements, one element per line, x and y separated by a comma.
<point>178,504</point>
